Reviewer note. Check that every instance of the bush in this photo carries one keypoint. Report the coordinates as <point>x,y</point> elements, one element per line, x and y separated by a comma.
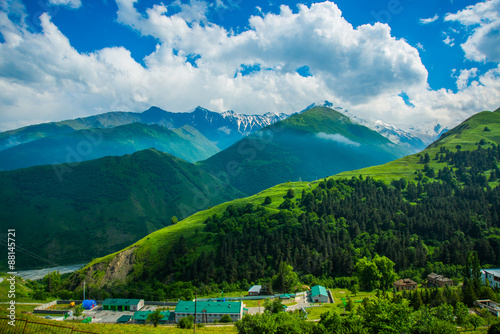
<point>268,200</point>
<point>226,318</point>
<point>186,322</point>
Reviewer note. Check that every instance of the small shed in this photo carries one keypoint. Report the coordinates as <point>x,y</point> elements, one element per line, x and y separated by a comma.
<point>319,294</point>
<point>124,319</point>
<point>492,307</point>
<point>255,290</point>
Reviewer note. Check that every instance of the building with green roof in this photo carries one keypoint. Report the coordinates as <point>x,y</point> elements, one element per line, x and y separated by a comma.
<point>319,294</point>
<point>112,304</point>
<point>168,317</point>
<point>208,311</point>
<point>141,317</point>
<point>124,319</point>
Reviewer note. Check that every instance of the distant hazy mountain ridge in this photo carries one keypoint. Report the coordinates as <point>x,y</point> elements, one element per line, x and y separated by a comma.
<point>221,128</point>
<point>191,136</point>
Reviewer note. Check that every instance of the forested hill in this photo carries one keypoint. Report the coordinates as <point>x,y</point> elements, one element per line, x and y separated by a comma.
<point>316,143</point>
<point>323,228</point>
<point>71,213</point>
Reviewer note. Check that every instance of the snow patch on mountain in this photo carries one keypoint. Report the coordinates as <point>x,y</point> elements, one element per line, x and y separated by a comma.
<point>247,124</point>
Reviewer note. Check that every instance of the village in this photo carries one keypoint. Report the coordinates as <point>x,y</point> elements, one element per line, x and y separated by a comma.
<point>232,309</point>
<point>205,310</point>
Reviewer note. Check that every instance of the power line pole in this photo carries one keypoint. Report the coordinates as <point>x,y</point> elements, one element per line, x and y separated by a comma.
<point>83,290</point>
<point>195,297</point>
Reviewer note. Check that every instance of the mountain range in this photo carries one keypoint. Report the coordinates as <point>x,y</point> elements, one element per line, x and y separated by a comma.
<point>200,240</point>
<point>414,139</point>
<point>114,133</point>
<point>116,200</point>
<point>203,134</point>
<point>82,145</point>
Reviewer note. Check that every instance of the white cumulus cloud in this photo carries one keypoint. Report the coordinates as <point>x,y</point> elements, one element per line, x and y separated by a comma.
<point>464,77</point>
<point>449,41</point>
<point>484,42</point>
<point>429,20</point>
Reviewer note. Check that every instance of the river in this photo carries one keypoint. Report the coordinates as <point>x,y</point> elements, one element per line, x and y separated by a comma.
<point>36,274</point>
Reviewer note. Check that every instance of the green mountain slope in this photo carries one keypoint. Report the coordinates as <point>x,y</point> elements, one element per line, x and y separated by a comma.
<point>71,213</point>
<point>322,228</point>
<point>314,144</point>
<point>483,127</point>
<point>186,143</point>
<point>33,132</point>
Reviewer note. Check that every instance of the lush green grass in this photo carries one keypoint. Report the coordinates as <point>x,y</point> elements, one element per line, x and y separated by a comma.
<point>470,132</point>
<point>314,313</point>
<point>22,291</point>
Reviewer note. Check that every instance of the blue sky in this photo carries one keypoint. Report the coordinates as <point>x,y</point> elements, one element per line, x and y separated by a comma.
<point>407,62</point>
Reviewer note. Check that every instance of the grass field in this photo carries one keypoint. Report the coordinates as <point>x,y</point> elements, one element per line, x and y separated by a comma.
<point>21,291</point>
<point>314,313</point>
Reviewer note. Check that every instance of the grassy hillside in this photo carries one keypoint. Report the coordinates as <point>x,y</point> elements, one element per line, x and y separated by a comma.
<point>482,128</point>
<point>155,246</point>
<point>308,146</point>
<point>71,213</point>
<point>186,143</point>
